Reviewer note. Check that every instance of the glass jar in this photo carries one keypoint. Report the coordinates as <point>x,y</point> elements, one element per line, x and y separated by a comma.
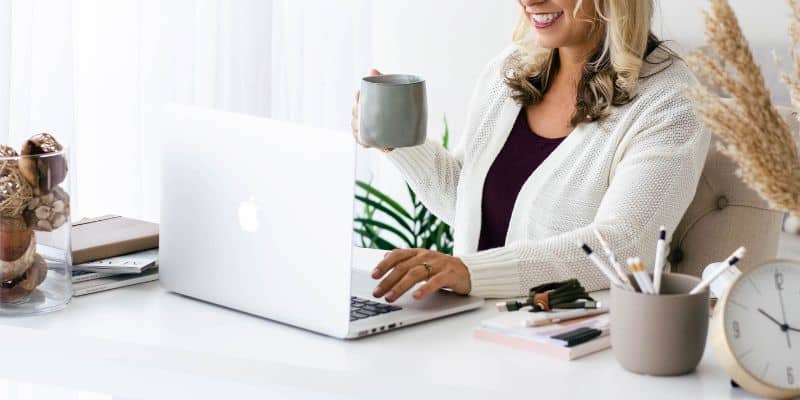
<point>35,255</point>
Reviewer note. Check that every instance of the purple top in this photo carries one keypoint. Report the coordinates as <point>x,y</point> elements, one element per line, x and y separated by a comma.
<point>523,152</point>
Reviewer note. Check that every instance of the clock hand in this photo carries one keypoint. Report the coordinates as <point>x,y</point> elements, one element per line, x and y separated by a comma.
<point>770,318</point>
<point>785,326</point>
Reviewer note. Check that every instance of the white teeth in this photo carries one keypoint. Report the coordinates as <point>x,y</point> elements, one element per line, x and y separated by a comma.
<point>545,18</point>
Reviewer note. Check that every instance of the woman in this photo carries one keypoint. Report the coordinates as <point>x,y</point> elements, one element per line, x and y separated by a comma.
<point>582,124</point>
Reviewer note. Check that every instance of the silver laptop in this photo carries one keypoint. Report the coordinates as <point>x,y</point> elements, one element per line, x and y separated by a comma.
<point>257,215</point>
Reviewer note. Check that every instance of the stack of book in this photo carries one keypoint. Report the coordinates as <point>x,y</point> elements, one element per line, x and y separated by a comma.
<point>560,334</point>
<point>111,251</point>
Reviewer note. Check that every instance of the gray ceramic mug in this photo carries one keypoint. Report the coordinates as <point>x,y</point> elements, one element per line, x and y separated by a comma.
<point>393,111</point>
<point>660,335</point>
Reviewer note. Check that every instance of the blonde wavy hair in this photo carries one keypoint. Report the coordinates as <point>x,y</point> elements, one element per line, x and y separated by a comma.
<point>612,72</point>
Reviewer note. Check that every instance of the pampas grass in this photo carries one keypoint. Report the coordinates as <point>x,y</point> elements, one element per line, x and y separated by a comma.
<point>752,132</point>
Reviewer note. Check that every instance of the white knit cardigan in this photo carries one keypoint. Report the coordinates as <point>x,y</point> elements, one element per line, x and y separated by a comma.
<point>626,175</point>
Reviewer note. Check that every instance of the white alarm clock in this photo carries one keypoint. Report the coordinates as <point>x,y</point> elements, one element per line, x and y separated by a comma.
<point>755,330</point>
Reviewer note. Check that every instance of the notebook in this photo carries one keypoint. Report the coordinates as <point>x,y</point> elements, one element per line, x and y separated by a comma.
<point>133,263</point>
<point>113,282</point>
<point>509,329</point>
<point>83,276</point>
<point>111,236</point>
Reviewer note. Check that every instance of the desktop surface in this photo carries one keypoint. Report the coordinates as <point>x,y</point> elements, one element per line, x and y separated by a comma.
<point>143,342</point>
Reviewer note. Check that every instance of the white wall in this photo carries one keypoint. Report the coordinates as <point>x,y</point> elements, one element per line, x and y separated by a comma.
<point>762,21</point>
<point>765,24</point>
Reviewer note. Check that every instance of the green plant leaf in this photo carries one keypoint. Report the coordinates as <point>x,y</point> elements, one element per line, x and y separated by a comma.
<point>448,232</point>
<point>365,235</point>
<point>387,211</point>
<point>437,235</point>
<point>412,195</point>
<point>372,223</point>
<point>368,211</point>
<point>382,244</point>
<point>421,215</point>
<point>430,241</point>
<point>384,198</point>
<point>370,235</point>
<point>446,135</point>
<point>429,223</point>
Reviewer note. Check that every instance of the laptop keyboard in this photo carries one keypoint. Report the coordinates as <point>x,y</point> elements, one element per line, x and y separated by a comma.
<point>363,308</point>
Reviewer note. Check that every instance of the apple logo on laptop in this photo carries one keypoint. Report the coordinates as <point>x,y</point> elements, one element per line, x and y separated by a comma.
<point>248,215</point>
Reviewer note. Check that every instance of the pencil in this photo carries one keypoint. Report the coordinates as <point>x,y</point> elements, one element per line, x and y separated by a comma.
<point>635,264</point>
<point>612,258</point>
<point>599,264</point>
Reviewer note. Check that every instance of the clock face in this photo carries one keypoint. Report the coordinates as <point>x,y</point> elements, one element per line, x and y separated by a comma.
<point>762,323</point>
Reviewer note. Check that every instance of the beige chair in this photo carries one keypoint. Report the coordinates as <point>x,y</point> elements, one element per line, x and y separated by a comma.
<point>725,214</point>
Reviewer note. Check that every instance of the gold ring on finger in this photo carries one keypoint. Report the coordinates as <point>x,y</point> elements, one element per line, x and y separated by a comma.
<point>428,267</point>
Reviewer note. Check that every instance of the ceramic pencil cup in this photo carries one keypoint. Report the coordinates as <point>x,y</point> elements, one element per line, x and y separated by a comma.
<point>660,335</point>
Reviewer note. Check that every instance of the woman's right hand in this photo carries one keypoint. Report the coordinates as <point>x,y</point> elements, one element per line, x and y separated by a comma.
<point>354,123</point>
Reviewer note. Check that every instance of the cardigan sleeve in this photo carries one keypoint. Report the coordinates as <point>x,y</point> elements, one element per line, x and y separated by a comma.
<point>433,174</point>
<point>432,171</point>
<point>652,184</point>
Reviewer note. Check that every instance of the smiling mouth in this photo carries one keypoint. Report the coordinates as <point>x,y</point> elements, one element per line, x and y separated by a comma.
<point>545,20</point>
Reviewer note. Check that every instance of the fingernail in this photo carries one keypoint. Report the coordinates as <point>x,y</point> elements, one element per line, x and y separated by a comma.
<point>375,273</point>
<point>417,294</point>
<point>376,292</point>
<point>390,296</point>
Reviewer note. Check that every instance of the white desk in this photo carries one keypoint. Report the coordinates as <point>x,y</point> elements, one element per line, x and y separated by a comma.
<point>142,342</point>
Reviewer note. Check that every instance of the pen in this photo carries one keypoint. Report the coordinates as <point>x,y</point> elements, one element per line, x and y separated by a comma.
<point>658,268</point>
<point>599,264</point>
<point>581,305</point>
<point>564,316</point>
<point>731,261</point>
<point>613,259</point>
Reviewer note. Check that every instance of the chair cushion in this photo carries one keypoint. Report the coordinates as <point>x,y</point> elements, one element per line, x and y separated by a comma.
<point>724,215</point>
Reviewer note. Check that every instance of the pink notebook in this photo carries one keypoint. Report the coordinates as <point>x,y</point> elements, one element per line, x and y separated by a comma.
<point>541,347</point>
<point>508,329</point>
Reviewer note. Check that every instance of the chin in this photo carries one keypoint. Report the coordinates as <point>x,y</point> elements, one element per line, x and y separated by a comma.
<point>550,39</point>
<point>548,43</point>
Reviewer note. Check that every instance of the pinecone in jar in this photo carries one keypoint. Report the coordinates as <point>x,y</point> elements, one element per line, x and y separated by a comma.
<point>15,238</point>
<point>45,172</point>
<point>18,289</point>
<point>15,267</point>
<point>48,212</point>
<point>15,192</point>
<point>8,152</point>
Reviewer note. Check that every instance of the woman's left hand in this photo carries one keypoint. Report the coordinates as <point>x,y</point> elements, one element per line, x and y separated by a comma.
<point>407,267</point>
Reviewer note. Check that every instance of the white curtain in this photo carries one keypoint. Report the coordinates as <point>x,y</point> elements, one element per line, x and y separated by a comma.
<point>95,73</point>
